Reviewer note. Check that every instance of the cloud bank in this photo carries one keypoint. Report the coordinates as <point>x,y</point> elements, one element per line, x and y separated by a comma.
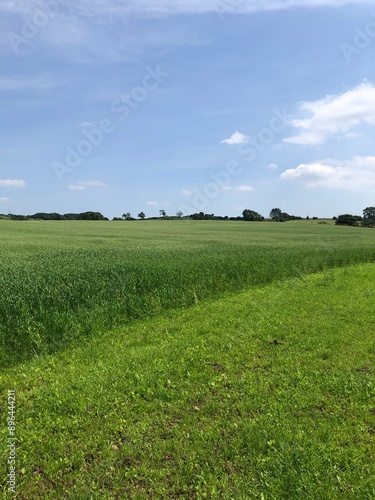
<point>85,185</point>
<point>357,173</point>
<point>13,183</point>
<point>335,116</point>
<point>170,7</point>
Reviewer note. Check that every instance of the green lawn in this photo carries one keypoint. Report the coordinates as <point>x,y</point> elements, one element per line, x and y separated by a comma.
<point>66,280</point>
<point>265,393</point>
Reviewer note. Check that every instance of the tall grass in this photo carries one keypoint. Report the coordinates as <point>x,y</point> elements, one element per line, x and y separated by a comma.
<point>61,281</point>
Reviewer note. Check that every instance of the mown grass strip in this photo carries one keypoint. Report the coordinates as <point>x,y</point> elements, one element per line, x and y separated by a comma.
<point>268,393</point>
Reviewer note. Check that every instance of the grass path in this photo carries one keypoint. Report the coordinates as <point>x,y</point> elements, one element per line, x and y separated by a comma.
<point>267,393</point>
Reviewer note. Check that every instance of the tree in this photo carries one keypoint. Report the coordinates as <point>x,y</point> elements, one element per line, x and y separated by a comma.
<point>284,216</point>
<point>198,216</point>
<point>251,215</point>
<point>179,214</point>
<point>347,220</point>
<point>141,215</point>
<point>127,216</point>
<point>163,213</point>
<point>91,216</point>
<point>275,213</point>
<point>369,217</point>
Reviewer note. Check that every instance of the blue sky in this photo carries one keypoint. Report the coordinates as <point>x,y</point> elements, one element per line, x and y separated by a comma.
<point>192,105</point>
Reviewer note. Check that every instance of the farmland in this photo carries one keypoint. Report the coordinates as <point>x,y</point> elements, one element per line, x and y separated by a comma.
<point>62,281</point>
<point>189,359</point>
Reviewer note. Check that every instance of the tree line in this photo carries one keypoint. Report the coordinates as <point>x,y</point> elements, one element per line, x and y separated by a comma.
<point>275,215</point>
<point>365,220</point>
<point>57,216</point>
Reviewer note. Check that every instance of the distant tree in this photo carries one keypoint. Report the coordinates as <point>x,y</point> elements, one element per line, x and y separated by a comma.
<point>284,216</point>
<point>347,220</point>
<point>369,217</point>
<point>179,214</point>
<point>70,216</point>
<point>369,213</point>
<point>198,216</point>
<point>275,213</point>
<point>251,215</point>
<point>141,215</point>
<point>90,216</point>
<point>17,217</point>
<point>163,213</point>
<point>127,216</point>
<point>47,216</point>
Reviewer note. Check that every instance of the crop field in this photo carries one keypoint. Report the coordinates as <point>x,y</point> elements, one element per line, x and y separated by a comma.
<point>188,359</point>
<point>62,281</point>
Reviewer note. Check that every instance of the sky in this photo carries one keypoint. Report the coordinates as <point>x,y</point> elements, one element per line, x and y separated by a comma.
<point>124,106</point>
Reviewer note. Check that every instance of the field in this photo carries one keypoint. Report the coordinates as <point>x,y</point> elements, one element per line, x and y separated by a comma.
<point>189,359</point>
<point>62,281</point>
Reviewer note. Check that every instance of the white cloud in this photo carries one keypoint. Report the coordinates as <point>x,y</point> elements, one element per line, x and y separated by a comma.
<point>170,7</point>
<point>335,116</point>
<point>4,200</point>
<point>357,173</point>
<point>16,183</point>
<point>152,203</point>
<point>245,188</point>
<point>352,135</point>
<point>236,138</point>
<point>82,31</point>
<point>85,185</point>
<point>272,166</point>
<point>42,83</point>
<point>187,192</point>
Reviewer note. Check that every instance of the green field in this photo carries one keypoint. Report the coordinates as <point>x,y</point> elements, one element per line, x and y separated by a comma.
<point>65,280</point>
<point>188,359</point>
